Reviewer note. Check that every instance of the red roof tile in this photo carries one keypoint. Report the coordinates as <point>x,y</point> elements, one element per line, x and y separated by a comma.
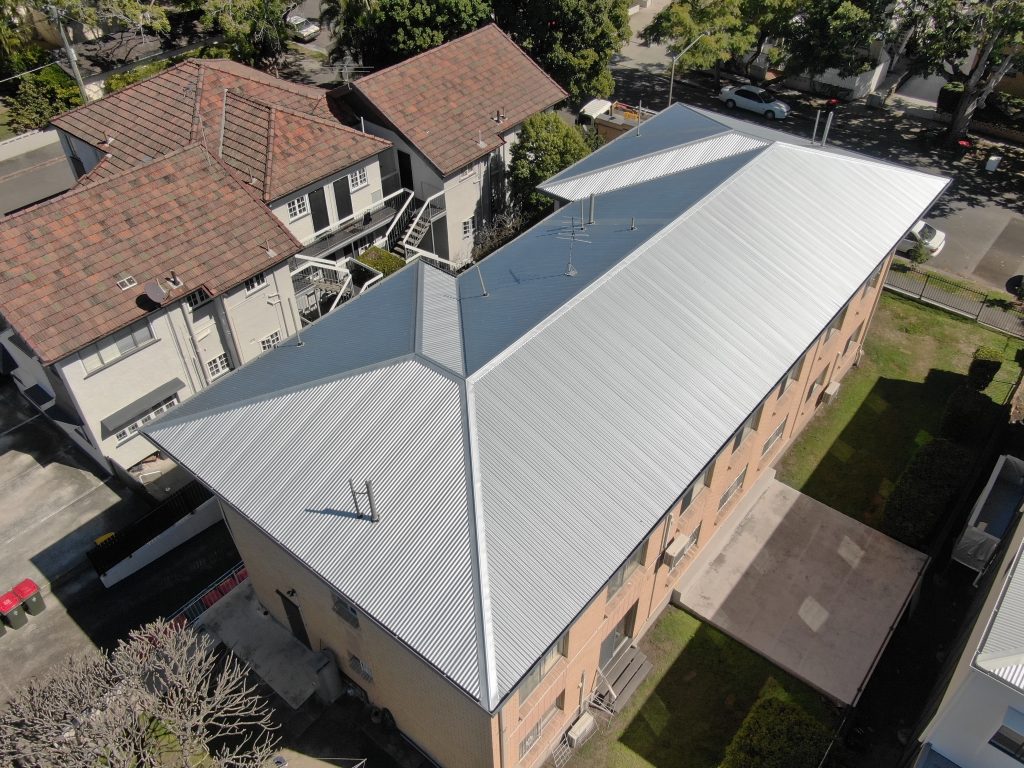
<point>444,100</point>
<point>186,212</point>
<point>188,103</point>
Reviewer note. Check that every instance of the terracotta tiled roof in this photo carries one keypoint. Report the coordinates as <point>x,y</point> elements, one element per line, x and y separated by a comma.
<point>444,101</point>
<point>278,147</point>
<point>189,102</point>
<point>186,212</point>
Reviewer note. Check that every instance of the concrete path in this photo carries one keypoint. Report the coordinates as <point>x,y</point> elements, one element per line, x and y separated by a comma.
<point>807,587</point>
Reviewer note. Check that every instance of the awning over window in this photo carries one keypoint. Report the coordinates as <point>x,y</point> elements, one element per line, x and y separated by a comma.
<point>133,410</point>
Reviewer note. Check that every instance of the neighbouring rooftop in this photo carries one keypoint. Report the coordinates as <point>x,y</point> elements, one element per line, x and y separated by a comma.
<point>445,101</point>
<point>528,422</point>
<point>75,267</point>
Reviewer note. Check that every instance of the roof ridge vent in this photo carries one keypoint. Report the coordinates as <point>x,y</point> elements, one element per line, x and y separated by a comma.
<point>125,280</point>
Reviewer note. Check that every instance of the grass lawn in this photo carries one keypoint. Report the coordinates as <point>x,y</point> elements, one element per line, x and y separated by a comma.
<point>687,711</point>
<point>853,450</point>
<point>5,132</point>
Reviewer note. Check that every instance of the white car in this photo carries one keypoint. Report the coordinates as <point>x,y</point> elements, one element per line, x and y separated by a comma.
<point>755,99</point>
<point>303,29</point>
<point>931,238</point>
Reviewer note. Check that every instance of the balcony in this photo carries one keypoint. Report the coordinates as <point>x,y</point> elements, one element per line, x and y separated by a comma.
<point>321,284</point>
<point>362,223</point>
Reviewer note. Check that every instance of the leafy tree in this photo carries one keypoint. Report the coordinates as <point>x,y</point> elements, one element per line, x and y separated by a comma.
<point>39,97</point>
<point>255,30</point>
<point>138,15</point>
<point>948,37</point>
<point>573,40</point>
<point>831,34</point>
<point>546,145</point>
<point>771,18</point>
<point>384,32</point>
<point>719,24</point>
<point>163,698</point>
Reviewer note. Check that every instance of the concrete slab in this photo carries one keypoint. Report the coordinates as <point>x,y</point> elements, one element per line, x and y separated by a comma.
<point>1005,257</point>
<point>282,662</point>
<point>32,168</point>
<point>809,588</point>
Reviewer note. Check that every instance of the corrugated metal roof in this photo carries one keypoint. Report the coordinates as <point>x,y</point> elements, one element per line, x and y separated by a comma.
<point>1002,648</point>
<point>648,167</point>
<point>590,402</point>
<point>285,462</point>
<point>439,330</point>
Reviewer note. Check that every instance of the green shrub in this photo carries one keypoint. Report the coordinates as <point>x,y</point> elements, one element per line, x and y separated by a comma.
<point>984,367</point>
<point>919,254</point>
<point>383,261</point>
<point>777,734</point>
<point>924,492</point>
<point>967,416</point>
<point>123,79</point>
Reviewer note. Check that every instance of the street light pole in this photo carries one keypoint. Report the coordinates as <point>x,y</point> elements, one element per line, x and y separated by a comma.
<point>672,77</point>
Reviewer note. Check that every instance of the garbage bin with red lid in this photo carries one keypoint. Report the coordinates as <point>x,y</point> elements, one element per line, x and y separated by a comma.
<point>31,599</point>
<point>11,611</point>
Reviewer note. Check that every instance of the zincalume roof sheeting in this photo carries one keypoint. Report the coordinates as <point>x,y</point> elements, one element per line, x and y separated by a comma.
<point>588,402</point>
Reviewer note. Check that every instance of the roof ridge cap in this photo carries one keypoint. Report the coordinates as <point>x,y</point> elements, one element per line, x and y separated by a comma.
<point>309,91</point>
<point>421,54</point>
<point>197,118</point>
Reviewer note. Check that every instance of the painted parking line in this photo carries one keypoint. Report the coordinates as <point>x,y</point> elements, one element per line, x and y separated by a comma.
<point>43,519</point>
<point>19,426</point>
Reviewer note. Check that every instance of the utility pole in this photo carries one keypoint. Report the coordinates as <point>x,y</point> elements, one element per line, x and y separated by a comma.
<point>69,52</point>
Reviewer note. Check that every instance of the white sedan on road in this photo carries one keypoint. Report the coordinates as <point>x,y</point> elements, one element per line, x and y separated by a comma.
<point>755,99</point>
<point>934,240</point>
<point>303,29</point>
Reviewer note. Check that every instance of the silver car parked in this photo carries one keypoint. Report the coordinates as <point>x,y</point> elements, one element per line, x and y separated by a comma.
<point>755,99</point>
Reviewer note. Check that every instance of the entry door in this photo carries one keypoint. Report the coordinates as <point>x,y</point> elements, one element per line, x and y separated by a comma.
<point>405,169</point>
<point>298,626</point>
<point>618,638</point>
<point>318,209</point>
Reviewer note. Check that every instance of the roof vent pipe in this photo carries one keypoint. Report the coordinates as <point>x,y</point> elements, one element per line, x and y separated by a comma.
<point>368,493</point>
<point>593,208</point>
<point>632,223</point>
<point>828,124</point>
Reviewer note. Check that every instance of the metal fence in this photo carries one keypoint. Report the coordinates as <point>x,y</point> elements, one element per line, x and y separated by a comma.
<point>991,311</point>
<point>195,607</point>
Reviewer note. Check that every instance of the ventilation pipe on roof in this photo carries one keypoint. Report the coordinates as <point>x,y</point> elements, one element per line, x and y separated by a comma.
<point>632,223</point>
<point>481,276</point>
<point>593,208</point>
<point>828,124</point>
<point>368,493</point>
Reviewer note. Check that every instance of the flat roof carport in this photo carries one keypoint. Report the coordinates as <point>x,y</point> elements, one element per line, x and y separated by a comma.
<point>807,587</point>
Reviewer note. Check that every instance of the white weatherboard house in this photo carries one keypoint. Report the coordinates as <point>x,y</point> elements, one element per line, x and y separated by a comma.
<point>548,437</point>
<point>979,721</point>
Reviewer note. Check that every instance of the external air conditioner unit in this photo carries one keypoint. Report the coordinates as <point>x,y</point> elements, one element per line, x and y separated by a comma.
<point>674,553</point>
<point>580,730</point>
<point>830,393</point>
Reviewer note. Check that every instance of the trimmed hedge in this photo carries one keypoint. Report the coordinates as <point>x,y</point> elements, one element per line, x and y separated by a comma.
<point>383,261</point>
<point>984,367</point>
<point>925,491</point>
<point>967,416</point>
<point>777,734</point>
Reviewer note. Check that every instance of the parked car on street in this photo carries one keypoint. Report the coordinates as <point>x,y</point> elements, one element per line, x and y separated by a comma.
<point>755,99</point>
<point>303,29</point>
<point>931,238</point>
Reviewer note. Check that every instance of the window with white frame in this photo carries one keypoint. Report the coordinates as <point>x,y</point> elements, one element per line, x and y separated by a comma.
<point>693,540</point>
<point>626,570</point>
<point>131,429</point>
<point>733,489</point>
<point>533,735</point>
<point>543,666</point>
<point>298,207</point>
<point>698,485</point>
<point>255,282</point>
<point>357,180</point>
<point>197,298</point>
<point>271,341</point>
<point>467,229</point>
<point>774,437</point>
<point>218,366</point>
<point>116,346</point>
<point>792,375</point>
<point>750,425</point>
<point>818,383</point>
<point>360,666</point>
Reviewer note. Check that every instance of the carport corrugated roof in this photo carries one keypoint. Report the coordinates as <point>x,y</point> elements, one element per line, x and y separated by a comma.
<point>587,404</point>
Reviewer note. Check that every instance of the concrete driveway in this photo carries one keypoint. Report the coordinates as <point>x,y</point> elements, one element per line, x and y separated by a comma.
<point>805,586</point>
<point>53,504</point>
